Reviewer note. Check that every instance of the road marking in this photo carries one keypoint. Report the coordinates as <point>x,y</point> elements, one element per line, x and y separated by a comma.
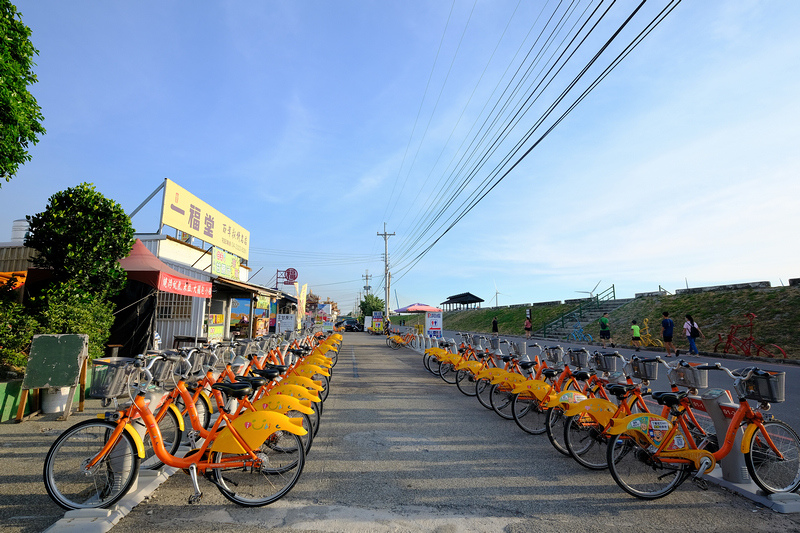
<point>355,365</point>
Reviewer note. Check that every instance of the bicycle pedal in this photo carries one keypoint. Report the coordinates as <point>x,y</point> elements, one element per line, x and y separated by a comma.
<point>194,499</point>
<point>702,484</point>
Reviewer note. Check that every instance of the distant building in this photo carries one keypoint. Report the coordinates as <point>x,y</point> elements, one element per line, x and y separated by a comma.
<point>465,300</point>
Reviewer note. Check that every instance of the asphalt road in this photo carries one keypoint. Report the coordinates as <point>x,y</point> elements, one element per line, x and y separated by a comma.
<point>399,450</point>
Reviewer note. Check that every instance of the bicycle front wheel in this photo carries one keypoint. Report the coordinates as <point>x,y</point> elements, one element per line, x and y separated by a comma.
<point>529,414</point>
<point>500,397</point>
<point>638,472</point>
<point>71,486</point>
<point>770,472</point>
<point>771,350</point>
<point>554,423</point>
<point>448,373</point>
<point>585,441</point>
<point>465,382</point>
<point>281,461</point>
<point>483,390</point>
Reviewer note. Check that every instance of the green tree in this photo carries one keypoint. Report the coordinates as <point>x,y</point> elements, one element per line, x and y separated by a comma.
<point>20,114</point>
<point>369,304</point>
<point>81,235</point>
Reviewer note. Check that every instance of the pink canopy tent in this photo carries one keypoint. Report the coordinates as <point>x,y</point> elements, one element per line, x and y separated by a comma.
<point>418,308</point>
<point>141,265</point>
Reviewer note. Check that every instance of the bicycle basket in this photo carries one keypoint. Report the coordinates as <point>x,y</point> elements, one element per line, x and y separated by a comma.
<point>606,362</point>
<point>199,360</point>
<point>579,359</point>
<point>110,377</point>
<point>553,355</point>
<point>161,370</point>
<point>644,370</point>
<point>763,386</point>
<point>689,376</point>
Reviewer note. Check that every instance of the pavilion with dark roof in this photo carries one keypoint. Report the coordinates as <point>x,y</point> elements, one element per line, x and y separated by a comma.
<point>465,300</point>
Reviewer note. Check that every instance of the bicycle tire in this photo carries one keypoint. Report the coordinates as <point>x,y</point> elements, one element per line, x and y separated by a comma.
<point>483,389</point>
<point>587,337</point>
<point>769,472</point>
<point>171,435</point>
<point>554,424</point>
<point>448,373</point>
<point>529,414</point>
<point>65,479</point>
<point>465,381</point>
<point>586,442</point>
<point>771,351</point>
<point>255,487</point>
<point>638,473</point>
<point>501,397</point>
<point>427,362</point>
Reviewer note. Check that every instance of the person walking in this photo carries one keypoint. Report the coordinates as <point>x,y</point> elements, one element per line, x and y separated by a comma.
<point>495,330</point>
<point>636,336</point>
<point>605,330</point>
<point>692,331</point>
<point>527,327</point>
<point>667,329</point>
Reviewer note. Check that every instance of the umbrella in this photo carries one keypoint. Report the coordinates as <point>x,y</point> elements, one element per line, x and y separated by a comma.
<point>422,308</point>
<point>405,309</point>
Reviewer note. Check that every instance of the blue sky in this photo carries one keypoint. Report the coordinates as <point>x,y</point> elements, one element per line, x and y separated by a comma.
<point>313,123</point>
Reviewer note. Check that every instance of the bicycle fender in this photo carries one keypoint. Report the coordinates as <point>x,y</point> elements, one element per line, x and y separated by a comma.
<point>254,427</point>
<point>490,373</point>
<point>296,391</point>
<point>281,403</point>
<point>599,409</point>
<point>472,366</point>
<point>539,389</point>
<point>303,382</point>
<point>651,427</point>
<point>309,369</point>
<point>749,431</point>
<point>177,412</point>
<point>207,400</point>
<point>511,377</point>
<point>565,398</point>
<point>320,360</point>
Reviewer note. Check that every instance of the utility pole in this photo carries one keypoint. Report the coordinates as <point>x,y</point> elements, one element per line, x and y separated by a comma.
<point>386,267</point>
<point>367,277</point>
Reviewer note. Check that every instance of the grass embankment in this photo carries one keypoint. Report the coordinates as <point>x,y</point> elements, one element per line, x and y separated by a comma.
<point>777,309</point>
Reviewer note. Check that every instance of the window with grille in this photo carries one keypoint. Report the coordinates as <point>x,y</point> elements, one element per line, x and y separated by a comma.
<point>173,306</point>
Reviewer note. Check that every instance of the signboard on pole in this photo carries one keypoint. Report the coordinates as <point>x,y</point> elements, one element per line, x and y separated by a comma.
<point>433,324</point>
<point>285,322</point>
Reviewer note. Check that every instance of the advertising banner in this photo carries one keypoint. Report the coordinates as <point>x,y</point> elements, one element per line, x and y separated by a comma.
<point>433,324</point>
<point>285,323</point>
<point>187,213</point>
<point>225,264</point>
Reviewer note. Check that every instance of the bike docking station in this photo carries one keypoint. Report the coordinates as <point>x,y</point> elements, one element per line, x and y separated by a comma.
<point>731,472</point>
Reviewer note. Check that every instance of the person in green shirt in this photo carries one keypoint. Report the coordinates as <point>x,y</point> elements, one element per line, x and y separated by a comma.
<point>605,330</point>
<point>637,339</point>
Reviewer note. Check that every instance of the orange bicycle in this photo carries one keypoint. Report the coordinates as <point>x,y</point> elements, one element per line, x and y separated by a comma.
<point>253,460</point>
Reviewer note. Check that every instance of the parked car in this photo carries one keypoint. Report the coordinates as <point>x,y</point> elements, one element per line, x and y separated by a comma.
<point>351,324</point>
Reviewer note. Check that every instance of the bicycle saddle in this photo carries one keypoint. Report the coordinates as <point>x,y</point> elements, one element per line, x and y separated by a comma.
<point>619,390</point>
<point>253,381</point>
<point>669,398</point>
<point>267,373</point>
<point>550,373</point>
<point>234,390</point>
<point>584,375</point>
<point>525,365</point>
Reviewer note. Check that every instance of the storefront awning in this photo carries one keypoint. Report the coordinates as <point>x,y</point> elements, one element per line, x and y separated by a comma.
<point>141,265</point>
<point>246,287</point>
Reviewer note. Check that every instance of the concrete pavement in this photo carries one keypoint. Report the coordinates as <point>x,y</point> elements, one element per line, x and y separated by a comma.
<point>398,450</point>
